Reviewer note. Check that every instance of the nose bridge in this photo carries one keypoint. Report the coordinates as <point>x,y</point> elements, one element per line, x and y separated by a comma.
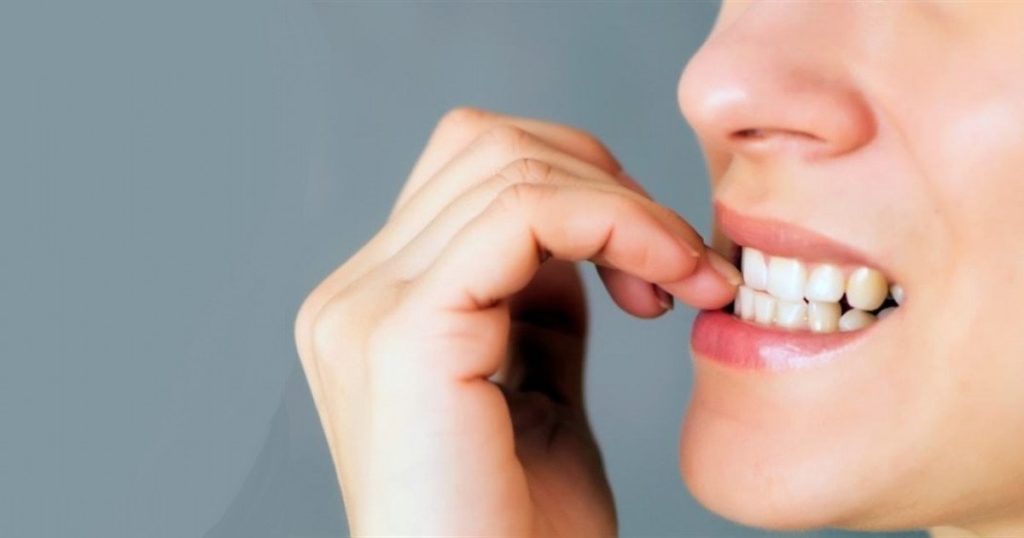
<point>776,79</point>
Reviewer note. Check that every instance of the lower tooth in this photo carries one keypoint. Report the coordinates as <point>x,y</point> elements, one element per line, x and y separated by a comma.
<point>818,316</point>
<point>822,317</point>
<point>764,308</point>
<point>744,307</point>
<point>855,319</point>
<point>885,312</point>
<point>791,314</point>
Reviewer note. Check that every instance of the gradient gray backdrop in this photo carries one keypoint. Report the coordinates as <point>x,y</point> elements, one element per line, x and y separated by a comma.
<point>177,175</point>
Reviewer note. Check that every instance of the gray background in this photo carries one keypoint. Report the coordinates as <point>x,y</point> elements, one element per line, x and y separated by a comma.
<point>176,177</point>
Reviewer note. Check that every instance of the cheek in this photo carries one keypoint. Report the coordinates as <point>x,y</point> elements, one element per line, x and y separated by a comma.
<point>969,142</point>
<point>968,139</point>
<point>978,172</point>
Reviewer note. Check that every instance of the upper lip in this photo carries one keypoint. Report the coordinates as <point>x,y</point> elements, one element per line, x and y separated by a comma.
<point>775,237</point>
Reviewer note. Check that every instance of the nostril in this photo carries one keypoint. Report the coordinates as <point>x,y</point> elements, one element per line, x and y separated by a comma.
<point>761,141</point>
<point>747,134</point>
<point>761,133</point>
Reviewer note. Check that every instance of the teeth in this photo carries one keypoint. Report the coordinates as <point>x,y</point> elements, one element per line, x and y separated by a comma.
<point>791,314</point>
<point>897,293</point>
<point>855,319</point>
<point>755,272</point>
<point>885,312</point>
<point>775,287</point>
<point>786,278</point>
<point>744,306</point>
<point>822,317</point>
<point>764,307</point>
<point>825,284</point>
<point>866,289</point>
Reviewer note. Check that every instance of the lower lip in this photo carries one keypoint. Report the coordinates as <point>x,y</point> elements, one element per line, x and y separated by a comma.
<point>722,337</point>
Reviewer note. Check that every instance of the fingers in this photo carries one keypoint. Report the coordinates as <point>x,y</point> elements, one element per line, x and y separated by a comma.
<point>431,238</point>
<point>497,253</point>
<point>470,145</point>
<point>711,271</point>
<point>633,294</point>
<point>502,144</point>
<point>460,126</point>
<point>486,156</point>
<point>499,141</point>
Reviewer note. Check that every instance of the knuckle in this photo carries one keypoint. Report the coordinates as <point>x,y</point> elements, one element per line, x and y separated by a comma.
<point>329,327</point>
<point>530,171</point>
<point>521,171</point>
<point>462,118</point>
<point>308,321</point>
<point>521,197</point>
<point>535,171</point>
<point>510,140</point>
<point>340,327</point>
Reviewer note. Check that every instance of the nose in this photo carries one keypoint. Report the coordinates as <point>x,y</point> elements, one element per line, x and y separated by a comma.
<point>769,84</point>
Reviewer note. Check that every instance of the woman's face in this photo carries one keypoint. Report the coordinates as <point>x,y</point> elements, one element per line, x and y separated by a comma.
<point>886,135</point>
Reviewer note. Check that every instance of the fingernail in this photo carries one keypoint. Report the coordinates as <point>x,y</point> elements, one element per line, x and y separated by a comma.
<point>664,298</point>
<point>722,266</point>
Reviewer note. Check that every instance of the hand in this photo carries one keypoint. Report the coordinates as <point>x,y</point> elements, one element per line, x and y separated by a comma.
<point>445,357</point>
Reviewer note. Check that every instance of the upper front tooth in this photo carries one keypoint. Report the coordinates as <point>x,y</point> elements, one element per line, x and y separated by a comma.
<point>825,284</point>
<point>866,289</point>
<point>755,272</point>
<point>786,278</point>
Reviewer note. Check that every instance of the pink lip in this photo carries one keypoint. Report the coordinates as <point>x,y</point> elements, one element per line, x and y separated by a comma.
<point>783,239</point>
<point>718,335</point>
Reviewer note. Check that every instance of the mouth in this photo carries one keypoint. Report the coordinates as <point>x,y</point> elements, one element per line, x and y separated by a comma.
<point>804,298</point>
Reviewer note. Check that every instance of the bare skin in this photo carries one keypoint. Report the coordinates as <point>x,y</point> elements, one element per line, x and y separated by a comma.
<point>895,128</point>
<point>445,357</point>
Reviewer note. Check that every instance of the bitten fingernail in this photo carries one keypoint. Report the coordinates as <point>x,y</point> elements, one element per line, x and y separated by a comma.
<point>664,298</point>
<point>722,266</point>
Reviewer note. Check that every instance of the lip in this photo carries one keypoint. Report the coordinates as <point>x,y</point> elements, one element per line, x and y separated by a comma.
<point>719,336</point>
<point>783,239</point>
<point>722,337</point>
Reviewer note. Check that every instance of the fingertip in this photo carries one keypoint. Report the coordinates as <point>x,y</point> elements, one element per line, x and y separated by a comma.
<point>712,284</point>
<point>724,268</point>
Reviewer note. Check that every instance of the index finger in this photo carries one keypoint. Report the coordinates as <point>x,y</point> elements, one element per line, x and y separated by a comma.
<point>498,253</point>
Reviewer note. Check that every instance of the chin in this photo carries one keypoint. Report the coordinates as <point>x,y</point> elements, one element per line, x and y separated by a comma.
<point>793,452</point>
<point>767,479</point>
